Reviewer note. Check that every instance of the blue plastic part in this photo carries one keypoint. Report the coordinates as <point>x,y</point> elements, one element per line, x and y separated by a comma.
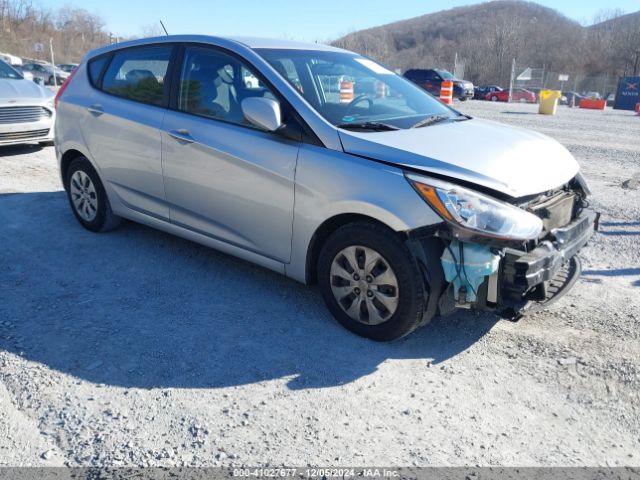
<point>479,262</point>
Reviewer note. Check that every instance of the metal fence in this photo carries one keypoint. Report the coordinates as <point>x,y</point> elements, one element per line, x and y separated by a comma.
<point>538,78</point>
<point>602,84</point>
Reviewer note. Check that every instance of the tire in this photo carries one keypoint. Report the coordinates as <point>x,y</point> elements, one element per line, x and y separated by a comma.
<point>94,212</point>
<point>463,99</point>
<point>494,98</point>
<point>358,241</point>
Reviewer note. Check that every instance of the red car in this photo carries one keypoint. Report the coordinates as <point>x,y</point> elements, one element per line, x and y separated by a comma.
<point>518,95</point>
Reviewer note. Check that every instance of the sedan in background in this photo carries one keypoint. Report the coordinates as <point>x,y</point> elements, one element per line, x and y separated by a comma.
<point>521,95</point>
<point>46,73</point>
<point>26,74</point>
<point>480,93</point>
<point>27,112</point>
<point>68,67</point>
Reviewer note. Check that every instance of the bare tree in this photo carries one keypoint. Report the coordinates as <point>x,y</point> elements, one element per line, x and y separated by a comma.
<point>489,35</point>
<point>74,30</point>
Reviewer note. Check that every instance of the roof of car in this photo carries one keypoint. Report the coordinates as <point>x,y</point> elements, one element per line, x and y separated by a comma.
<point>258,42</point>
<point>251,42</point>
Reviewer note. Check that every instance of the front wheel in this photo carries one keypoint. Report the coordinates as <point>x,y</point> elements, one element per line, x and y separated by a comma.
<point>463,99</point>
<point>494,98</point>
<point>371,282</point>
<point>88,198</point>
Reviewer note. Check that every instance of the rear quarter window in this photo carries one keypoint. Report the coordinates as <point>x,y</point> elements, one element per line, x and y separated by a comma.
<point>138,74</point>
<point>95,68</point>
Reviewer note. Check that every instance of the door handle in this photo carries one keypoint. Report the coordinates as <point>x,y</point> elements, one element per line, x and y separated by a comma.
<point>182,135</point>
<point>96,109</point>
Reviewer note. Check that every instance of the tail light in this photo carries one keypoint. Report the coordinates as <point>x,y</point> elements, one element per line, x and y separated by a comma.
<point>63,87</point>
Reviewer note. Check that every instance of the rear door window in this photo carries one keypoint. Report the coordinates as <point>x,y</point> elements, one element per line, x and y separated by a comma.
<point>139,74</point>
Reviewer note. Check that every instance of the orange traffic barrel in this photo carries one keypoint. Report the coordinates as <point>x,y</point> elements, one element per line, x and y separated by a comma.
<point>381,89</point>
<point>446,92</point>
<point>346,91</point>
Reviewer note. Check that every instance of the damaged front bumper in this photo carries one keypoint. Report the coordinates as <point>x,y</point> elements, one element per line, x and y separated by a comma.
<point>524,271</point>
<point>523,281</point>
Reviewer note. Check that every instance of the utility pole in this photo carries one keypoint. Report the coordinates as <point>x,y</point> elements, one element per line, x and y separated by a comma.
<point>53,64</point>
<point>513,74</point>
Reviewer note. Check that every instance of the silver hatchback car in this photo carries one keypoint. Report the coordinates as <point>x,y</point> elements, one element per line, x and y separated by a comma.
<point>325,166</point>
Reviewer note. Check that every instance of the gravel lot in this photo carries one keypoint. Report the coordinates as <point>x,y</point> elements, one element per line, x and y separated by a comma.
<point>138,348</point>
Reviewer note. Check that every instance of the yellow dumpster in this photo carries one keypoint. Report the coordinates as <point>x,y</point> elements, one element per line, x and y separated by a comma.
<point>549,101</point>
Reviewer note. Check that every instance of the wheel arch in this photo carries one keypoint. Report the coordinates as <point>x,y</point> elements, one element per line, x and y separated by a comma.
<point>324,231</point>
<point>69,156</point>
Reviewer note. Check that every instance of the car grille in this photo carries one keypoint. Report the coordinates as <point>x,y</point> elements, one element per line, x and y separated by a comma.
<point>33,134</point>
<point>23,114</point>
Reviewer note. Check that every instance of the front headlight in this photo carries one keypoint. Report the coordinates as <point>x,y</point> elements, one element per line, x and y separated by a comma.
<point>476,212</point>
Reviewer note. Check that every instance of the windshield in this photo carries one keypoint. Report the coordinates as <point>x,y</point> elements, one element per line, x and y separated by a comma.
<point>446,75</point>
<point>348,89</point>
<point>7,71</point>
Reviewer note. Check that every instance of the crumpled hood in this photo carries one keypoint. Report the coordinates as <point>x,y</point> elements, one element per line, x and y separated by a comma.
<point>22,91</point>
<point>510,160</point>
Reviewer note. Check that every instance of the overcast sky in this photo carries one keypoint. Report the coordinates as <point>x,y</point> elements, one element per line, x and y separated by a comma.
<point>299,20</point>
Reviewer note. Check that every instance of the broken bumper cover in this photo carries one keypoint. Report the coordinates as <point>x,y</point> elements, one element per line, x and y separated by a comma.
<point>524,276</point>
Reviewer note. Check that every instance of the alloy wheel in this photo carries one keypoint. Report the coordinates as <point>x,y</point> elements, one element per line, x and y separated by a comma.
<point>83,196</point>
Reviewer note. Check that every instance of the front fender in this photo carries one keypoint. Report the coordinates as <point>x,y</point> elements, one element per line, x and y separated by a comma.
<point>331,183</point>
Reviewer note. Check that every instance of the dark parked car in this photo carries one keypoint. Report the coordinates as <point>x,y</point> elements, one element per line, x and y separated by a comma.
<point>567,96</point>
<point>431,80</point>
<point>611,99</point>
<point>480,93</point>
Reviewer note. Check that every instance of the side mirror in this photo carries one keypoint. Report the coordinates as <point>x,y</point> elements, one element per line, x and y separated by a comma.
<point>38,80</point>
<point>263,112</point>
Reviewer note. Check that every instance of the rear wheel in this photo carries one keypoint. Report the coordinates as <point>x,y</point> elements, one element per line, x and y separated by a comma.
<point>371,282</point>
<point>494,98</point>
<point>88,198</point>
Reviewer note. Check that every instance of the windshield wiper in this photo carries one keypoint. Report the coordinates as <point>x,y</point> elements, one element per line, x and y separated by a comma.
<point>368,126</point>
<point>425,122</point>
